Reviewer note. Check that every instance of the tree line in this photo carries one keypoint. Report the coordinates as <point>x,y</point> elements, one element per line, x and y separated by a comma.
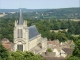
<point>44,27</point>
<point>65,13</point>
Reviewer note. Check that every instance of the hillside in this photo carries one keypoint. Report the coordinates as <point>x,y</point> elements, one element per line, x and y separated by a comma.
<point>63,13</point>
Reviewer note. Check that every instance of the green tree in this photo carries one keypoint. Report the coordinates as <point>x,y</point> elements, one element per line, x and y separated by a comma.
<point>56,26</point>
<point>76,51</point>
<point>49,50</point>
<point>61,36</point>
<point>71,30</point>
<point>19,55</point>
<point>64,25</point>
<point>72,58</point>
<point>52,35</point>
<point>4,54</point>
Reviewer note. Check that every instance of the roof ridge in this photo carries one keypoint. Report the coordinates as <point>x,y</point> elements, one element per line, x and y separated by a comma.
<point>32,26</point>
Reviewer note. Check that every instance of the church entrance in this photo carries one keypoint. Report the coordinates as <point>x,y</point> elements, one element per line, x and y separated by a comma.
<point>20,47</point>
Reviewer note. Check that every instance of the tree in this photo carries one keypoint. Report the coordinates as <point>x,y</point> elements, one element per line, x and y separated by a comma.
<point>19,55</point>
<point>61,36</point>
<point>56,26</point>
<point>72,58</point>
<point>77,30</point>
<point>64,25</point>
<point>52,35</point>
<point>76,51</point>
<point>4,54</point>
<point>49,50</point>
<point>71,30</point>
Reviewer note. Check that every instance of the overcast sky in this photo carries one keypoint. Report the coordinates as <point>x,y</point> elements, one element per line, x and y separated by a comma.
<point>38,4</point>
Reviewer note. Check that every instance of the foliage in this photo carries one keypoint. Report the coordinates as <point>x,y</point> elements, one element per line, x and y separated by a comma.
<point>66,13</point>
<point>49,50</point>
<point>57,19</point>
<point>44,27</point>
<point>76,52</point>
<point>19,55</point>
<point>73,58</point>
<point>46,20</point>
<point>6,28</point>
<point>4,54</point>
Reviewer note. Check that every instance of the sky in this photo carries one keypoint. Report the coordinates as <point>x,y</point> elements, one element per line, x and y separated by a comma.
<point>38,4</point>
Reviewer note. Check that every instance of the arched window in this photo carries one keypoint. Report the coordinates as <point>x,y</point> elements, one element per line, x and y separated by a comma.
<point>20,47</point>
<point>20,33</point>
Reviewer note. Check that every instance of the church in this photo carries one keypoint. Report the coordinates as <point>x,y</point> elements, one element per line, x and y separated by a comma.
<point>28,38</point>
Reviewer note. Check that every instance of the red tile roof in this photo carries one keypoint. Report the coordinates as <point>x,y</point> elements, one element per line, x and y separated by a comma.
<point>54,42</point>
<point>7,44</point>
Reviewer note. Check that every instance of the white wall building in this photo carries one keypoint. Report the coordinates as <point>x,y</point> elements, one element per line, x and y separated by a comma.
<point>28,38</point>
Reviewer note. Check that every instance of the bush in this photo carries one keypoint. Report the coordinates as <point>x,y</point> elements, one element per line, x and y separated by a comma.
<point>49,50</point>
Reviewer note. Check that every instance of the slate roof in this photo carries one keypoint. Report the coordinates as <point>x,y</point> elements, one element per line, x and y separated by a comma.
<point>68,50</point>
<point>33,32</point>
<point>20,20</point>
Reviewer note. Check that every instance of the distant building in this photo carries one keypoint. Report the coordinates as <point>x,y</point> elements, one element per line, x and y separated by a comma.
<point>3,14</point>
<point>56,31</point>
<point>12,12</point>
<point>28,38</point>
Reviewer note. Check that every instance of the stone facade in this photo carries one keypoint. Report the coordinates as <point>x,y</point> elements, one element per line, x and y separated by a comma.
<point>28,38</point>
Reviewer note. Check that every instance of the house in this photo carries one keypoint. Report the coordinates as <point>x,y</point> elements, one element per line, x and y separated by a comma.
<point>28,38</point>
<point>68,51</point>
<point>59,52</point>
<point>61,49</point>
<point>71,44</point>
<point>53,44</point>
<point>7,44</point>
<point>51,56</point>
<point>54,58</point>
<point>48,54</point>
<point>67,44</point>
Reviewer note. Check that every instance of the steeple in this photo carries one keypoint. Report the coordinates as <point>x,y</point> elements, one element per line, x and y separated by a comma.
<point>20,20</point>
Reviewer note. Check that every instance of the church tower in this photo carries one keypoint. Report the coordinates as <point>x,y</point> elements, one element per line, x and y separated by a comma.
<point>20,34</point>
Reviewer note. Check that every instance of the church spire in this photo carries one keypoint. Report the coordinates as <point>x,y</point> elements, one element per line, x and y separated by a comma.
<point>20,20</point>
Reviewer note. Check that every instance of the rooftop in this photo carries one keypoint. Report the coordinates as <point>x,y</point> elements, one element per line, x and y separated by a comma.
<point>33,32</point>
